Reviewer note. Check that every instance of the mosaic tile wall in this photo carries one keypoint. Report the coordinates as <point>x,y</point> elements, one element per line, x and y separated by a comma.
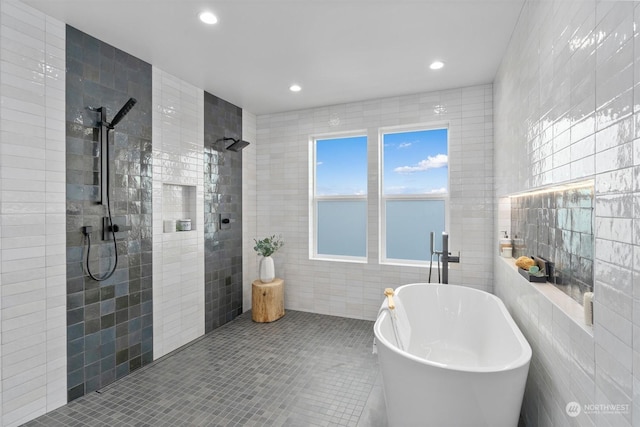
<point>558,226</point>
<point>109,323</point>
<point>222,200</point>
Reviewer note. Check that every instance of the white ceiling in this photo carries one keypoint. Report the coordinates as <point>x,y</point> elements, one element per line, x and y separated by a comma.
<point>337,50</point>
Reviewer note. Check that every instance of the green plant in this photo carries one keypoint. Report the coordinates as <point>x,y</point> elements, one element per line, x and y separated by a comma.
<point>269,245</point>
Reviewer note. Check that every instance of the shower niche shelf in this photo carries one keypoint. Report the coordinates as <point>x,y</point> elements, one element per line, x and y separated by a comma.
<point>178,202</point>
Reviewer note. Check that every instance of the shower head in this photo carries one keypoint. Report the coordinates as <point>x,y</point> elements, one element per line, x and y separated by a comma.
<point>236,145</point>
<point>123,112</point>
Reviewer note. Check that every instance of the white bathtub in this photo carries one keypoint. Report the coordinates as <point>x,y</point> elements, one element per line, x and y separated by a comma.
<point>466,363</point>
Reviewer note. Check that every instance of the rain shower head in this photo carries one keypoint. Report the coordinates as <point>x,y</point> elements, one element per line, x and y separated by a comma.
<point>236,145</point>
<point>123,112</point>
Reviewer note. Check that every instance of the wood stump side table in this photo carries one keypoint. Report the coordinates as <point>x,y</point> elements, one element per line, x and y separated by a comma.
<point>267,300</point>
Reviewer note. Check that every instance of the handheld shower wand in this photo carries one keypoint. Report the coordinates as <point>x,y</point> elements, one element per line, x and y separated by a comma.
<point>105,127</point>
<point>123,112</point>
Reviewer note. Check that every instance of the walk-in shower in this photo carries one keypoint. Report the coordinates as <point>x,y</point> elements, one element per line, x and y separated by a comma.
<point>109,228</point>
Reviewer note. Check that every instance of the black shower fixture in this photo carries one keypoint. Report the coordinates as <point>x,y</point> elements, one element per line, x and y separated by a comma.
<point>123,112</point>
<point>109,227</point>
<point>105,127</point>
<point>236,145</point>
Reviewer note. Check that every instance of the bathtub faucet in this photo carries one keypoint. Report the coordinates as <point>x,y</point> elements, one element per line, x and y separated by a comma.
<point>446,257</point>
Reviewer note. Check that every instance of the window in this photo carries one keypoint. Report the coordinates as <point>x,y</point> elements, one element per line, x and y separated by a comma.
<point>414,192</point>
<point>339,198</point>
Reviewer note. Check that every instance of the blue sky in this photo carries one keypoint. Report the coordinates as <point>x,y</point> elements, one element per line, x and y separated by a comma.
<point>341,166</point>
<point>414,163</point>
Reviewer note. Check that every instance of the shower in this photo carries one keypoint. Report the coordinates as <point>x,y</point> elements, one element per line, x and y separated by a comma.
<point>236,145</point>
<point>105,127</point>
<point>123,112</point>
<point>108,226</point>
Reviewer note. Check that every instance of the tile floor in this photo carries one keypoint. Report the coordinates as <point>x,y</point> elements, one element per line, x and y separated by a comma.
<point>302,370</point>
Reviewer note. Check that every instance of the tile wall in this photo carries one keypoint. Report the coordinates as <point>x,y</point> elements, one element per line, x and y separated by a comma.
<point>249,207</point>
<point>354,289</point>
<point>557,226</point>
<point>33,354</point>
<point>567,105</point>
<point>178,192</point>
<point>48,184</point>
<point>110,322</point>
<point>222,200</point>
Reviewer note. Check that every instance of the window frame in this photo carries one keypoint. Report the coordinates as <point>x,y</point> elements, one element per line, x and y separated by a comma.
<point>314,199</point>
<point>382,198</point>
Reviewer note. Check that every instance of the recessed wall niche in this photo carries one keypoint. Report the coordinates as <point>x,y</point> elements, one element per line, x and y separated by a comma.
<point>557,224</point>
<point>178,202</point>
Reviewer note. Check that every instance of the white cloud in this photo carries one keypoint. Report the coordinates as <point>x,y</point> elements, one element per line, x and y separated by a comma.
<point>319,163</point>
<point>404,145</point>
<point>431,162</point>
<point>437,191</point>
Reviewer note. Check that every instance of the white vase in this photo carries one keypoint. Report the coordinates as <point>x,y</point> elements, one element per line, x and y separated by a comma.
<point>267,270</point>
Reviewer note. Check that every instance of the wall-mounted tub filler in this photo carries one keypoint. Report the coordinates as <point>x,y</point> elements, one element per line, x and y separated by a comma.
<point>109,225</point>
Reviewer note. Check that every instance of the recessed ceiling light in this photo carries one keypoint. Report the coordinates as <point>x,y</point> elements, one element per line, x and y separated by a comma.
<point>295,88</point>
<point>208,18</point>
<point>436,65</point>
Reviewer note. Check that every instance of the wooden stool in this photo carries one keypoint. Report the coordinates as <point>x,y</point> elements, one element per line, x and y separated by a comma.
<point>267,300</point>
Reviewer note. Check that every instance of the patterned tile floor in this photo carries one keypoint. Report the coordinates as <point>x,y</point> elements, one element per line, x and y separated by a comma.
<point>302,370</point>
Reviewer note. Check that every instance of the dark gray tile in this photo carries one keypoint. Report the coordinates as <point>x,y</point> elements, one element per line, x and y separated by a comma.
<point>305,369</point>
<point>100,75</point>
<point>223,248</point>
<point>558,226</point>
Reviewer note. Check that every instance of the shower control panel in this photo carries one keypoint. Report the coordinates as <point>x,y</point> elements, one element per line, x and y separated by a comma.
<point>120,227</point>
<point>224,221</point>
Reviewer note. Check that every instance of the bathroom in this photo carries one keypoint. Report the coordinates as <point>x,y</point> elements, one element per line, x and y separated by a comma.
<point>561,108</point>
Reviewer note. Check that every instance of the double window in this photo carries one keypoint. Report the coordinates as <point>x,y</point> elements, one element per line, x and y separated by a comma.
<point>413,193</point>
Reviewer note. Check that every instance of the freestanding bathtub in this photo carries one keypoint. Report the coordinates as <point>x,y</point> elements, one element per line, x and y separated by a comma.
<point>466,361</point>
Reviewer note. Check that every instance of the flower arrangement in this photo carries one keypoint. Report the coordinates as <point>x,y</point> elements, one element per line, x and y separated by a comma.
<point>268,246</point>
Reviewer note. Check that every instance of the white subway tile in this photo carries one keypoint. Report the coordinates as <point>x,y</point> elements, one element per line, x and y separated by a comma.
<point>178,267</point>
<point>25,143</point>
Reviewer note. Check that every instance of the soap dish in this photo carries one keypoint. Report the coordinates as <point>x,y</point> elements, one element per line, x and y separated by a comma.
<point>531,277</point>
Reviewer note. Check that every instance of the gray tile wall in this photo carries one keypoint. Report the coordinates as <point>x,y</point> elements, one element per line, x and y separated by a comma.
<point>222,199</point>
<point>109,323</point>
<point>558,226</point>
